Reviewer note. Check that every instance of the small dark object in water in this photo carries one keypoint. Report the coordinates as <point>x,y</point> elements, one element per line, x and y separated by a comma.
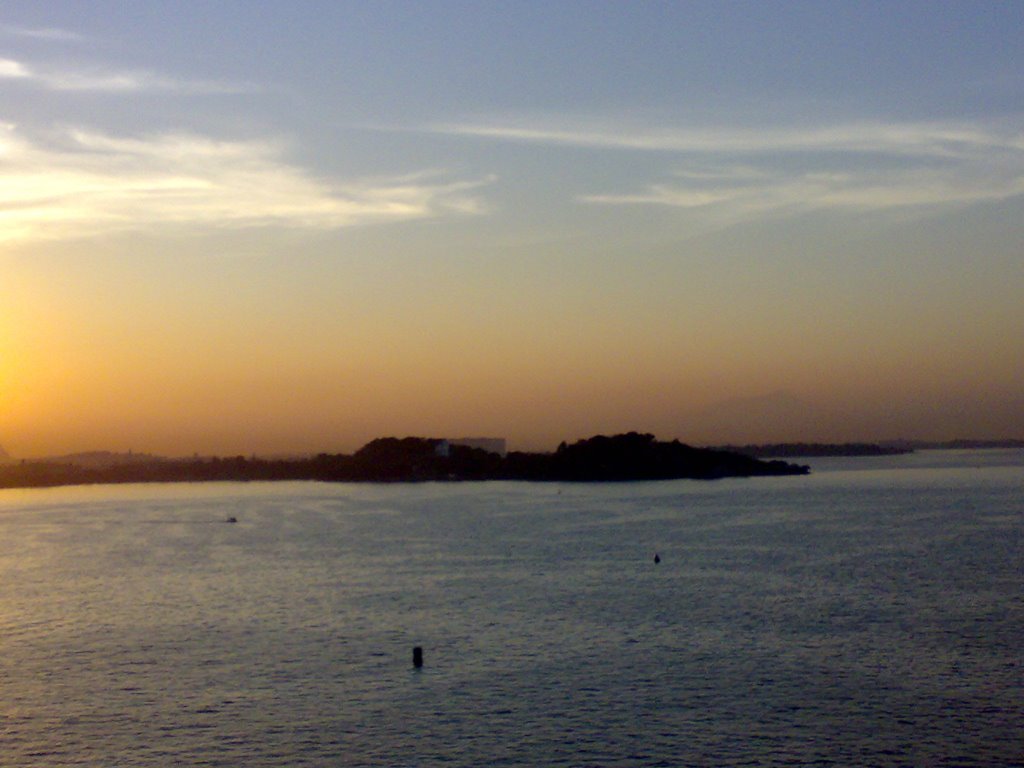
<point>231,519</point>
<point>657,558</point>
<point>417,657</point>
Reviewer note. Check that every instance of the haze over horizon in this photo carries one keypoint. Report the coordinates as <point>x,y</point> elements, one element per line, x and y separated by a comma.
<point>233,228</point>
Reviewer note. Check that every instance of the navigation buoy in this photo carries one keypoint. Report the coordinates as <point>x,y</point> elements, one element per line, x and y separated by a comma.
<point>417,657</point>
<point>657,558</point>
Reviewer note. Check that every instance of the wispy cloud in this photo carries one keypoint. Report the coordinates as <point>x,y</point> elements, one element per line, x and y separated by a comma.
<point>53,34</point>
<point>137,82</point>
<point>746,172</point>
<point>104,80</point>
<point>931,139</point>
<point>89,183</point>
<point>780,191</point>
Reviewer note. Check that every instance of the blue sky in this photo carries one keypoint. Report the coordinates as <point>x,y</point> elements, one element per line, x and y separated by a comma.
<point>327,221</point>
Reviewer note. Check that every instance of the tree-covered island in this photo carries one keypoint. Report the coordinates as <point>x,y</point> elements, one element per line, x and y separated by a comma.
<point>631,456</point>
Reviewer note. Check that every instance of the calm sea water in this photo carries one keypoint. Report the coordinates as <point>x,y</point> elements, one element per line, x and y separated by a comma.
<point>871,614</point>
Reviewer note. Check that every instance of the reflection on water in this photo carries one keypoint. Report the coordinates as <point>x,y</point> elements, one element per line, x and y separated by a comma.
<point>869,614</point>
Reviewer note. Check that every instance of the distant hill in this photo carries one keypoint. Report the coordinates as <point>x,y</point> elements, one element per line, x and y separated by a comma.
<point>883,448</point>
<point>953,445</point>
<point>602,458</point>
<point>630,456</point>
<point>103,459</point>
<point>807,450</point>
<point>635,456</point>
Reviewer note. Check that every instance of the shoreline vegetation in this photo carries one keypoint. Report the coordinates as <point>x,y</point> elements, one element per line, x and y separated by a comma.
<point>624,457</point>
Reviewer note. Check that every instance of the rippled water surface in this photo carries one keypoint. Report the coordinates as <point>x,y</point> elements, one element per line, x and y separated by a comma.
<point>869,614</point>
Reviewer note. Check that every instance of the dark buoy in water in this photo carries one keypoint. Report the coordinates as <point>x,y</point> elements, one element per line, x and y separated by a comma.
<point>417,657</point>
<point>657,558</point>
<point>231,519</point>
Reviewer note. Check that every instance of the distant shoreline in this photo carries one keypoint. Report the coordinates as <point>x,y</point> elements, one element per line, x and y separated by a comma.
<point>393,460</point>
<point>617,458</point>
<point>814,450</point>
<point>884,448</point>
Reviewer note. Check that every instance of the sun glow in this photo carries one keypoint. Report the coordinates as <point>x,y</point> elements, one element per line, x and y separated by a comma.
<point>312,229</point>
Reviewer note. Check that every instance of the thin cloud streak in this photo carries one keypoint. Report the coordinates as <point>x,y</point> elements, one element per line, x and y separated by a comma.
<point>927,139</point>
<point>852,191</point>
<point>99,80</point>
<point>43,33</point>
<point>139,82</point>
<point>740,173</point>
<point>93,184</point>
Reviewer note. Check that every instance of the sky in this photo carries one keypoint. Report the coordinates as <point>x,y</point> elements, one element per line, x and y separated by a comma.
<point>290,227</point>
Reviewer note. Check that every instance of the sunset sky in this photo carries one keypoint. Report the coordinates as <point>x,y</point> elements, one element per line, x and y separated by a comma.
<point>277,227</point>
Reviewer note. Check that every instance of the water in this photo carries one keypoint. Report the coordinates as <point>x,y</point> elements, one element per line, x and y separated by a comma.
<point>869,614</point>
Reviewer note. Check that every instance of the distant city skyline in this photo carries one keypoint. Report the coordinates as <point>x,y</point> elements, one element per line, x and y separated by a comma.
<point>233,228</point>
